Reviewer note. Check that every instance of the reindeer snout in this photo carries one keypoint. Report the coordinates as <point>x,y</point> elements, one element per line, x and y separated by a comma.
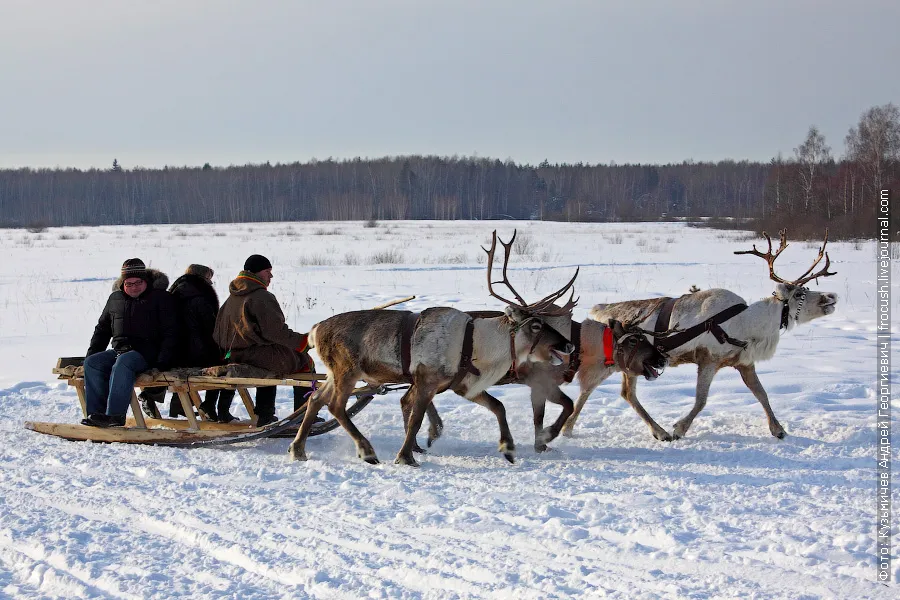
<point>567,349</point>
<point>827,302</point>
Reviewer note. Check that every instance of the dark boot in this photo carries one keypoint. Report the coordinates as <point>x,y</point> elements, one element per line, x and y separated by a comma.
<point>148,398</point>
<point>102,420</point>
<point>265,405</point>
<point>175,409</point>
<point>223,406</point>
<point>208,406</point>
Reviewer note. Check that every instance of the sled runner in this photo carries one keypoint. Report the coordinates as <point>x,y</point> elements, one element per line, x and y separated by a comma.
<point>195,430</point>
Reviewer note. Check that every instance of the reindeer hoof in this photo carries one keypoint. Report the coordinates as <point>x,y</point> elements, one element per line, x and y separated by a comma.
<point>663,436</point>
<point>540,448</point>
<point>406,460</point>
<point>418,448</point>
<point>369,457</point>
<point>566,432</point>
<point>295,453</point>
<point>509,452</point>
<point>780,435</point>
<point>434,432</point>
<point>679,431</point>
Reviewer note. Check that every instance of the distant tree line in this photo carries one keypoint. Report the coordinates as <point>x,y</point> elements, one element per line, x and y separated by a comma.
<point>806,191</point>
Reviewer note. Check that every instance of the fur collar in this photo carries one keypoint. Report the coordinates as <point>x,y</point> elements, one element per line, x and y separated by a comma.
<point>158,280</point>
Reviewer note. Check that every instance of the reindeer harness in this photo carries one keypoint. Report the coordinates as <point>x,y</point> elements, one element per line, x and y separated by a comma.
<point>711,325</point>
<point>785,309</point>
<point>408,327</point>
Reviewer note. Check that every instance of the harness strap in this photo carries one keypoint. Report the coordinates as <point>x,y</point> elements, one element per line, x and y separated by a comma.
<point>608,347</point>
<point>710,325</point>
<point>512,352</point>
<point>664,316</point>
<point>465,358</point>
<point>407,328</point>
<point>575,357</point>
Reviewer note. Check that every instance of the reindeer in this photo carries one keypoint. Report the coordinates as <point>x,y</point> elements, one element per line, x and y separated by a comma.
<point>600,350</point>
<point>755,330</point>
<point>439,349</point>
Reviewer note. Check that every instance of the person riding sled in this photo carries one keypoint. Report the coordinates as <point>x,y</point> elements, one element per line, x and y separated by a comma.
<point>140,319</point>
<point>250,328</point>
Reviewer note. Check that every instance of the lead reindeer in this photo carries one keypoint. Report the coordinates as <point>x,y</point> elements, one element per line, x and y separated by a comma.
<point>439,349</point>
<point>753,334</point>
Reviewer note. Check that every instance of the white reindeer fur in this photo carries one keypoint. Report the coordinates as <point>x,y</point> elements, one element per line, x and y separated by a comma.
<point>759,325</point>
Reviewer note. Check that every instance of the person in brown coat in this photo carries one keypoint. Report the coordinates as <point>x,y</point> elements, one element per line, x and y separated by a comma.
<point>250,329</point>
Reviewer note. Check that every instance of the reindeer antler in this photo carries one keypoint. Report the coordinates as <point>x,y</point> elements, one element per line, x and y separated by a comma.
<point>770,259</point>
<point>823,272</point>
<point>543,307</point>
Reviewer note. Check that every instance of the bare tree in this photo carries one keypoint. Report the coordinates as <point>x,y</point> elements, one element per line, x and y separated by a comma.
<point>875,142</point>
<point>810,155</point>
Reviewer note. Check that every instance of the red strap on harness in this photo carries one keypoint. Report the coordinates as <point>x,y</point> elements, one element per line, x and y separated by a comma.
<point>608,345</point>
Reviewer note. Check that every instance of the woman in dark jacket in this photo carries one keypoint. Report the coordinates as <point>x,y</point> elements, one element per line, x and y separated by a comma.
<point>198,306</point>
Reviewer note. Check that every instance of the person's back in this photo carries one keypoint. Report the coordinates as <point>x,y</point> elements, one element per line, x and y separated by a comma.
<point>250,329</point>
<point>198,305</point>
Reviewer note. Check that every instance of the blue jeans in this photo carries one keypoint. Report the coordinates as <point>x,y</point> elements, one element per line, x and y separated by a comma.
<point>109,381</point>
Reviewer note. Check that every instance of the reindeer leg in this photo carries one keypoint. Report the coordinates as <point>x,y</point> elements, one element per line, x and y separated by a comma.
<point>705,374</point>
<point>507,446</point>
<point>590,376</point>
<point>435,423</point>
<point>406,407</point>
<point>552,432</point>
<point>538,404</point>
<point>297,449</point>
<point>629,385</point>
<point>338,408</point>
<point>748,374</point>
<point>579,404</point>
<point>420,395</point>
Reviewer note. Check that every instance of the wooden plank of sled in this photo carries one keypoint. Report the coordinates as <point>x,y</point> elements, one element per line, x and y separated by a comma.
<point>188,408</point>
<point>78,384</point>
<point>71,431</point>
<point>136,411</point>
<point>248,403</point>
<point>181,424</point>
<point>295,379</point>
<point>65,361</point>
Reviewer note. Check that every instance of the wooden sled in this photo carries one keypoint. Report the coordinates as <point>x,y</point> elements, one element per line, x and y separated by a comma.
<point>187,385</point>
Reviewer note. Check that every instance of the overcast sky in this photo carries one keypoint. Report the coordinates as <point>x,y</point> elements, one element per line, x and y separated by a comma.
<point>231,82</point>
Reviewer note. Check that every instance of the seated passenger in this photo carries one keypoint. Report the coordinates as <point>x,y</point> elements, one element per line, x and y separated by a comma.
<point>250,328</point>
<point>197,305</point>
<point>140,318</point>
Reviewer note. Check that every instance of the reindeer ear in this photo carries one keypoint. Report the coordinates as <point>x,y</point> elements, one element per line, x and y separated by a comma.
<point>783,291</point>
<point>514,313</point>
<point>616,326</point>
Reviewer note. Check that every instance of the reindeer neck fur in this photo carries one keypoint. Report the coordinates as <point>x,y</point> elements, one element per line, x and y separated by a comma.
<point>593,358</point>
<point>492,358</point>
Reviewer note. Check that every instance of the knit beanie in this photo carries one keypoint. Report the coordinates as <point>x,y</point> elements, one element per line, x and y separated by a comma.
<point>256,263</point>
<point>134,267</point>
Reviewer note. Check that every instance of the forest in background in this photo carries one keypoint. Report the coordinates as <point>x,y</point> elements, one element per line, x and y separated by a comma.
<point>806,192</point>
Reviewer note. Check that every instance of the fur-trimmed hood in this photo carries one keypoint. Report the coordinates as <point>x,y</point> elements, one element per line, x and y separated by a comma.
<point>190,286</point>
<point>157,280</point>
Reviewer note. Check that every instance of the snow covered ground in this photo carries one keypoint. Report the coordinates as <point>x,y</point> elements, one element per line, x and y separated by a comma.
<point>728,512</point>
